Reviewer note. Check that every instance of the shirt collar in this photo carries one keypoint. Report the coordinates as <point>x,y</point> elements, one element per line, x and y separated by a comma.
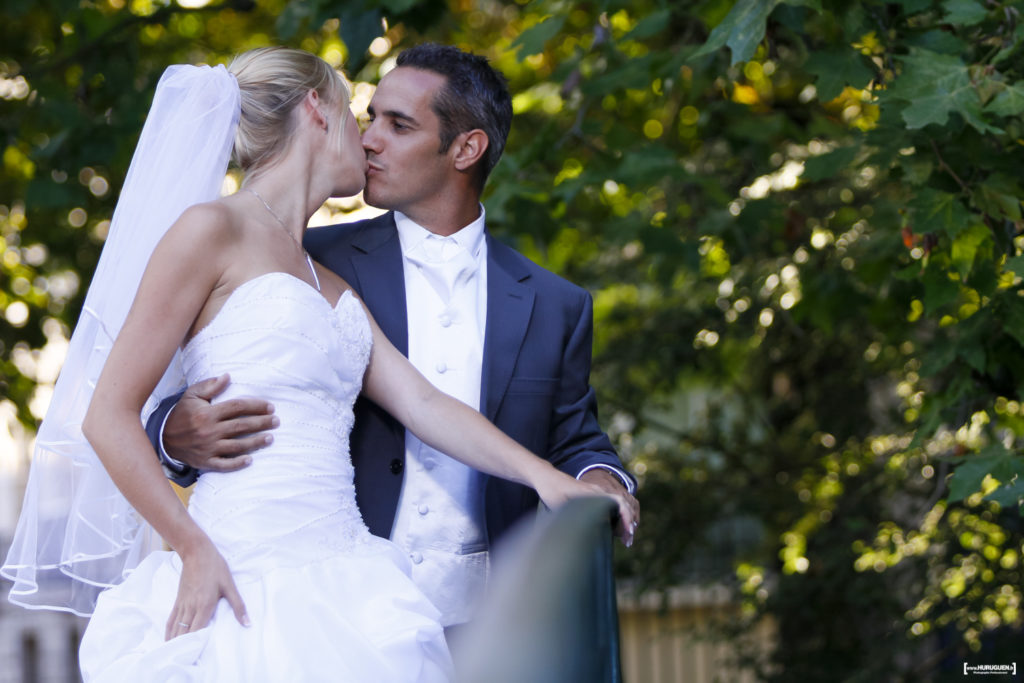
<point>469,237</point>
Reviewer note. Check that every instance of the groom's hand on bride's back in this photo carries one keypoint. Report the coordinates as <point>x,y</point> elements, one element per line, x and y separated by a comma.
<point>219,437</point>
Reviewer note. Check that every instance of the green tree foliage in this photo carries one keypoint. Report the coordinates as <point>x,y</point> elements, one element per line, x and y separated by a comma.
<point>801,222</point>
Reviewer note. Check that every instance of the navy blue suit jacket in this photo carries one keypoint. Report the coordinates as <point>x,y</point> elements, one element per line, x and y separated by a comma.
<point>535,378</point>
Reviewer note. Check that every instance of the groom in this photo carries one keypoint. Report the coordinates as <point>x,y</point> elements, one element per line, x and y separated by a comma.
<point>480,321</point>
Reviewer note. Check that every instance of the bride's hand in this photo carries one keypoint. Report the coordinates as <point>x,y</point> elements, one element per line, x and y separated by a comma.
<point>557,488</point>
<point>205,579</point>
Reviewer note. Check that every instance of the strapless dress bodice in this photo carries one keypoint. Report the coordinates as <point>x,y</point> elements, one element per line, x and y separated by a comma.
<point>279,339</point>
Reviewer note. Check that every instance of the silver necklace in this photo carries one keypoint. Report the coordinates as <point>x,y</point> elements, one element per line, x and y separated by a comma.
<point>280,222</point>
<point>266,206</point>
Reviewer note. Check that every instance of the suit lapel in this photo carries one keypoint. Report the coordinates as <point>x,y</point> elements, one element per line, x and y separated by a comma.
<point>377,262</point>
<point>509,307</point>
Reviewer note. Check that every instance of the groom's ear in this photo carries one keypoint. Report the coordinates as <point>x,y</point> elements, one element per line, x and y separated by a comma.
<point>468,148</point>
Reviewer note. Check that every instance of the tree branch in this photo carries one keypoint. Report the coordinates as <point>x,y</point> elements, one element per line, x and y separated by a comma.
<point>944,166</point>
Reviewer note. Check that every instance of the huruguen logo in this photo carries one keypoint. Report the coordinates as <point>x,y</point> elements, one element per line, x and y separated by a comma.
<point>992,669</point>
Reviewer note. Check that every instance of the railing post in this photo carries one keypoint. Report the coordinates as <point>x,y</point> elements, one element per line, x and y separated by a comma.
<point>551,615</point>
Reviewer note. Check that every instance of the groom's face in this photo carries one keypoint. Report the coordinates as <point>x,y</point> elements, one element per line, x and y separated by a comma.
<point>406,170</point>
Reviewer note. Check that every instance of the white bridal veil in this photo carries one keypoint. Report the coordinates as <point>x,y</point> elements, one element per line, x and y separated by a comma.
<point>77,534</point>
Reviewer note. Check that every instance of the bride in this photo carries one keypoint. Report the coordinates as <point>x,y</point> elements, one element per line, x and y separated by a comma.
<point>308,593</point>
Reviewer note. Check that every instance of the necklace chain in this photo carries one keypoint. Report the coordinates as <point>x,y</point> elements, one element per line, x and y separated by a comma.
<point>277,218</point>
<point>266,206</point>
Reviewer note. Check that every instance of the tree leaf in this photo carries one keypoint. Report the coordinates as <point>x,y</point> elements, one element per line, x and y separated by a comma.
<point>741,30</point>
<point>965,247</point>
<point>646,165</point>
<point>619,78</point>
<point>1008,204</point>
<point>1000,195</point>
<point>937,361</point>
<point>939,290</point>
<point>1011,315</point>
<point>943,42</point>
<point>1009,495</point>
<point>969,474</point>
<point>292,17</point>
<point>1010,102</point>
<point>836,70</point>
<point>1010,46</point>
<point>914,6</point>
<point>936,211</point>
<point>398,6</point>
<point>651,25</point>
<point>1008,468</point>
<point>916,170</point>
<point>973,353</point>
<point>759,128</point>
<point>1016,264</point>
<point>964,12</point>
<point>357,29</point>
<point>937,85</point>
<point>532,40</point>
<point>1010,473</point>
<point>829,164</point>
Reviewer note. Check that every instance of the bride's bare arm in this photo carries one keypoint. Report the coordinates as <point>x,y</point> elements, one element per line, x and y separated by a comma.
<point>183,271</point>
<point>454,428</point>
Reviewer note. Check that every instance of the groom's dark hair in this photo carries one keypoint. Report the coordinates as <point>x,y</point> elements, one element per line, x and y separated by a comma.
<point>475,95</point>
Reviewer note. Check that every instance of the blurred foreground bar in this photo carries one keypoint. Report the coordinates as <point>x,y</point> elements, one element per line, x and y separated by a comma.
<point>551,613</point>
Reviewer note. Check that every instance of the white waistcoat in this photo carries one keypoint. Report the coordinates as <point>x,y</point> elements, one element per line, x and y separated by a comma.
<point>440,516</point>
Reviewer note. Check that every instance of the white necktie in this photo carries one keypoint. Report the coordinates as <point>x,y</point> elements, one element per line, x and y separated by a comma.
<point>443,263</point>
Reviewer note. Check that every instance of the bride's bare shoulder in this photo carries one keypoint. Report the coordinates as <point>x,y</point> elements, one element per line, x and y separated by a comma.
<point>217,221</point>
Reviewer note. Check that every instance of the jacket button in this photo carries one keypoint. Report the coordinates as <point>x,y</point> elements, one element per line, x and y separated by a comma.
<point>396,466</point>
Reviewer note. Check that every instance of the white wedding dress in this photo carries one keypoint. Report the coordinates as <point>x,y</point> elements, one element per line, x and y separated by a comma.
<point>327,600</point>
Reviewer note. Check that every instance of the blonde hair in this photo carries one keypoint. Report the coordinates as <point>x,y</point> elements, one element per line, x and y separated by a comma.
<point>272,82</point>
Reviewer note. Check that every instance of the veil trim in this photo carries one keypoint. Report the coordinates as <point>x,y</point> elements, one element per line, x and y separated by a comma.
<point>77,534</point>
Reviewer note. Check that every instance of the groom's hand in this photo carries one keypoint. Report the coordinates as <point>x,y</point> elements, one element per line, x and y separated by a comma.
<point>613,486</point>
<point>220,436</point>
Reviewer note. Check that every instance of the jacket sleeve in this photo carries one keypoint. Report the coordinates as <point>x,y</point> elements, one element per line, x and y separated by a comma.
<point>178,472</point>
<point>576,441</point>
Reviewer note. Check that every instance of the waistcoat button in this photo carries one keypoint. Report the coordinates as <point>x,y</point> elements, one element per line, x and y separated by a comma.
<point>396,466</point>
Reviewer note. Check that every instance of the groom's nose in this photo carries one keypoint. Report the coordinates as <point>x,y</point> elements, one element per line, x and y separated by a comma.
<point>370,138</point>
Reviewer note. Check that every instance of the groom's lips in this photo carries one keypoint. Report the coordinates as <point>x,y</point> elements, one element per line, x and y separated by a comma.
<point>373,169</point>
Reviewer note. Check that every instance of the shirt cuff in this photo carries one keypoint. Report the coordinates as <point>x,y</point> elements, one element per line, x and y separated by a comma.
<point>175,466</point>
<point>626,482</point>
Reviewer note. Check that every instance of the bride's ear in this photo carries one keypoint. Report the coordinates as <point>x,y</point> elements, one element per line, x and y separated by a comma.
<point>312,104</point>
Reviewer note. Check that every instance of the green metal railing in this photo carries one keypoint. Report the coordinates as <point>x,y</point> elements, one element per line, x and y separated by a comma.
<point>551,614</point>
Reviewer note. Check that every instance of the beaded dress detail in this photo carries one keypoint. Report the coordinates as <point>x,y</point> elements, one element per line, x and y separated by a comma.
<point>327,600</point>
